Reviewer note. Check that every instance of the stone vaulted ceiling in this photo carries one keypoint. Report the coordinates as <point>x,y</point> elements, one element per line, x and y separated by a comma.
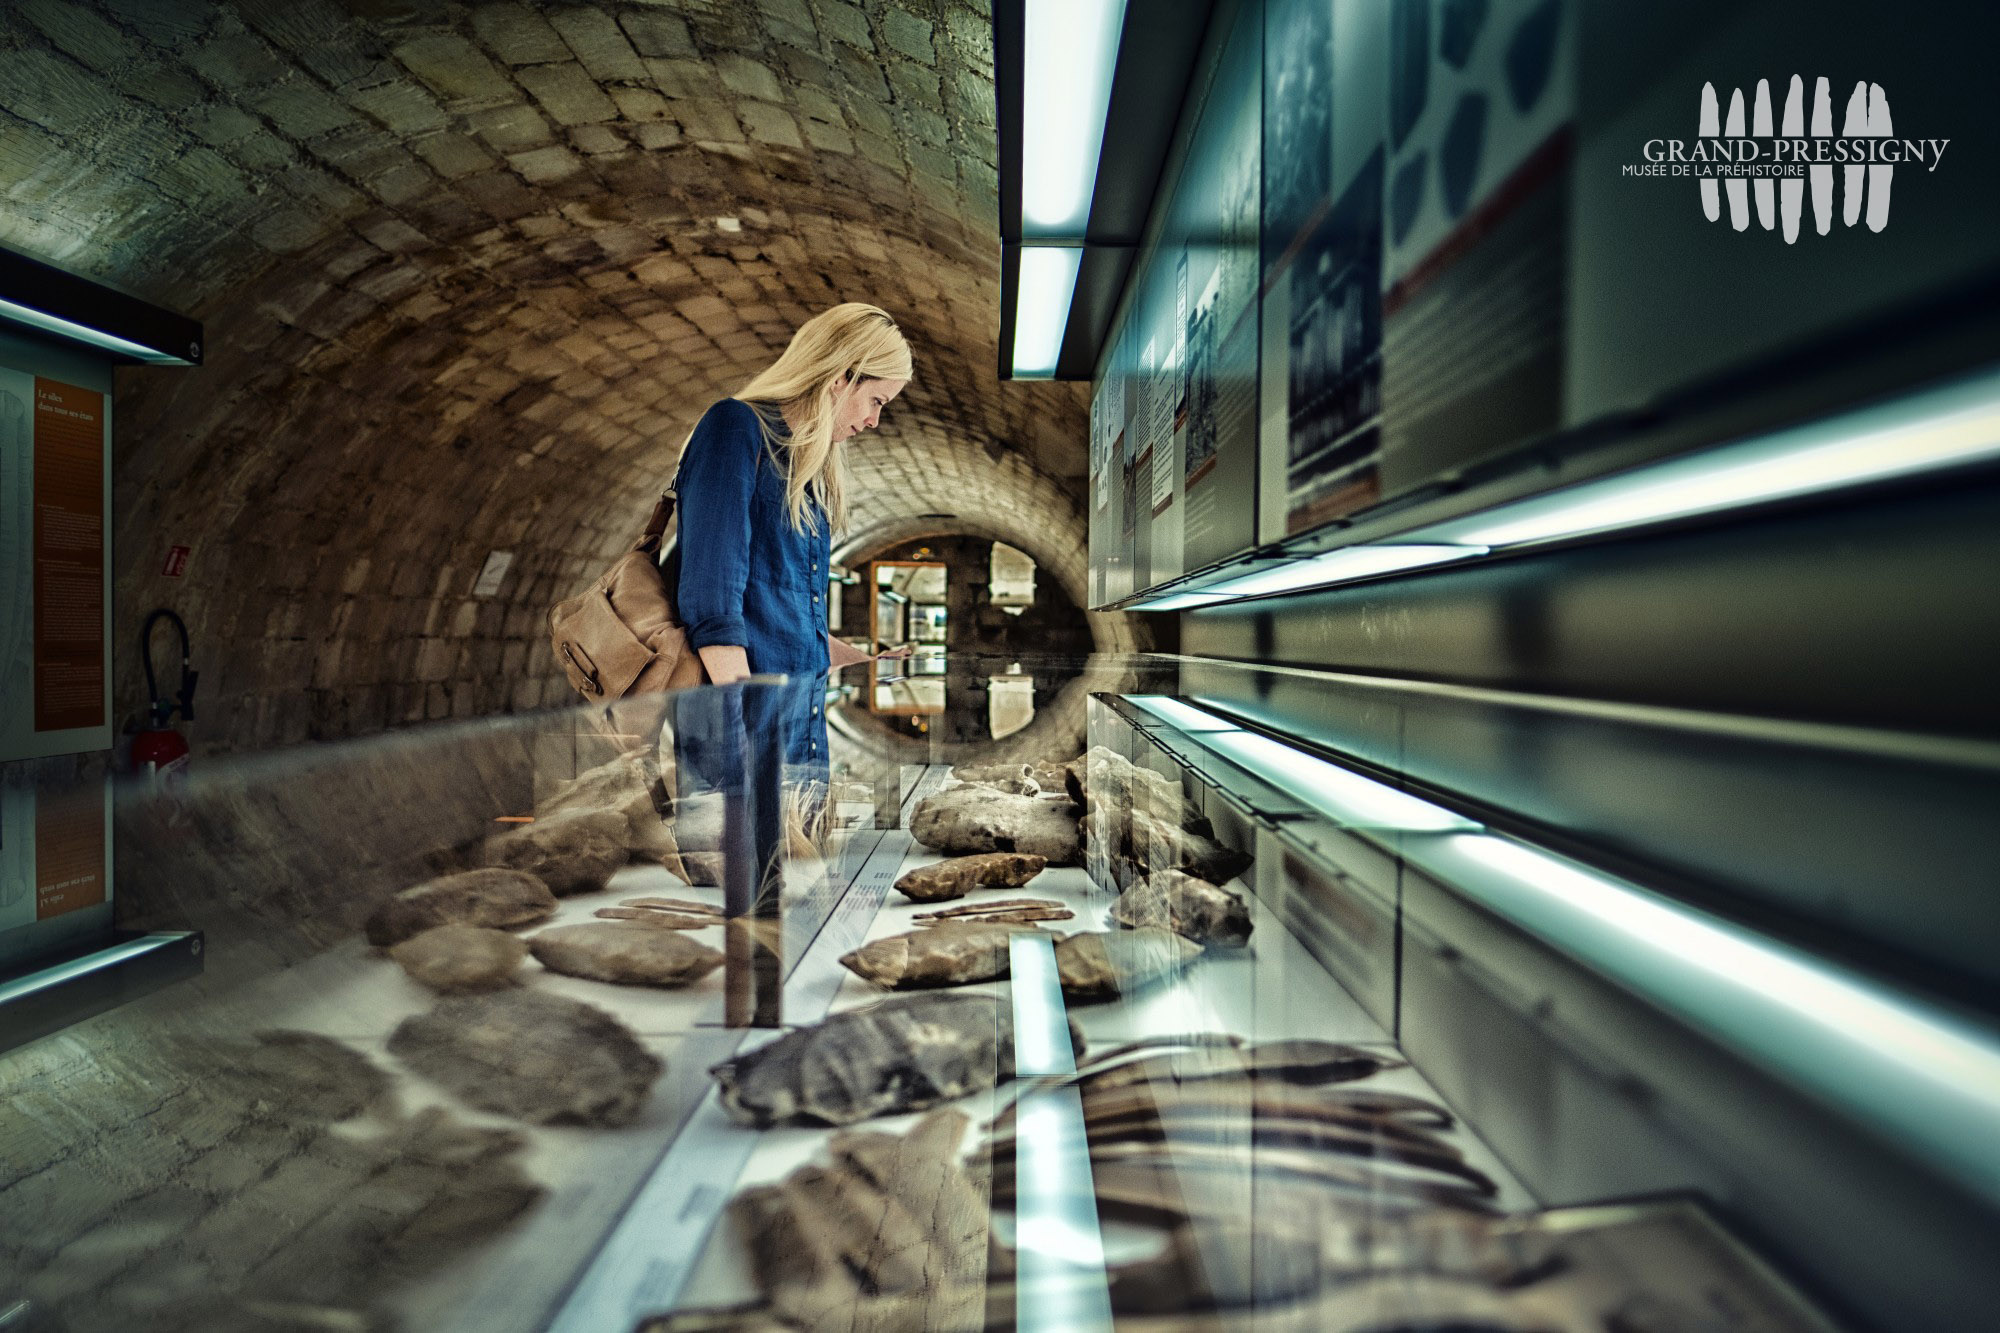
<point>469,273</point>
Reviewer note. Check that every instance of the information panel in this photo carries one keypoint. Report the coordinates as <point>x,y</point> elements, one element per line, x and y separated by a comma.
<point>68,557</point>
<point>1473,307</point>
<point>55,865</point>
<point>1406,238</point>
<point>55,433</point>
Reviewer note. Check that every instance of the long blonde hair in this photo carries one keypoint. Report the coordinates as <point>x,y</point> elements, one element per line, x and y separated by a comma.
<point>849,342</point>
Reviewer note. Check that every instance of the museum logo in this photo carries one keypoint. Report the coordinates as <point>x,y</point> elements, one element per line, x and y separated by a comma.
<point>1775,163</point>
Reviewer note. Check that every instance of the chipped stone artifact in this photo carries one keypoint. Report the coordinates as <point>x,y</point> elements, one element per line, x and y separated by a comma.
<point>979,819</point>
<point>1189,906</point>
<point>671,913</point>
<point>956,876</point>
<point>627,954</point>
<point>890,1235</point>
<point>1050,776</point>
<point>574,851</point>
<point>461,957</point>
<point>701,869</point>
<point>491,897</point>
<point>904,1054</point>
<point>633,786</point>
<point>1097,965</point>
<point>654,917</point>
<point>1156,844</point>
<point>952,953</point>
<point>1021,786</point>
<point>687,906</point>
<point>543,1058</point>
<point>1103,779</point>
<point>991,774</point>
<point>998,909</point>
<point>629,784</point>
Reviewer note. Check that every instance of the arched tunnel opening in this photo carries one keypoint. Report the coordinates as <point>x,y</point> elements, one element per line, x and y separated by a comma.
<point>469,275</point>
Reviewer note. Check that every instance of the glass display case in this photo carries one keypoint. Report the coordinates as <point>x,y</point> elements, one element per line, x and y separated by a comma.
<point>1109,999</point>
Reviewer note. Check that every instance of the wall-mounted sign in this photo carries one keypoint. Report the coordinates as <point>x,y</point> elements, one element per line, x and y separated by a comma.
<point>55,434</point>
<point>491,573</point>
<point>69,556</point>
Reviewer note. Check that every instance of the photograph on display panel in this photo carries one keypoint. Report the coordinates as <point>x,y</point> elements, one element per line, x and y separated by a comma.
<point>1198,392</point>
<point>1298,120</point>
<point>1335,360</point>
<point>1219,195</point>
<point>1481,103</point>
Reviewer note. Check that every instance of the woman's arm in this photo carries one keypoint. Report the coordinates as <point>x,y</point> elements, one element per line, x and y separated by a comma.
<point>717,476</point>
<point>726,662</point>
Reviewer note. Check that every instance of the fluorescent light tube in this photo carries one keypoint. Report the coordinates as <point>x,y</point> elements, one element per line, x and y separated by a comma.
<point>1182,716</point>
<point>1340,794</point>
<point>1343,566</point>
<point>1041,307</point>
<point>1181,601</point>
<point>1061,1282</point>
<point>1939,428</point>
<point>1070,50</point>
<point>1927,1076</point>
<point>83,333</point>
<point>1041,1022</point>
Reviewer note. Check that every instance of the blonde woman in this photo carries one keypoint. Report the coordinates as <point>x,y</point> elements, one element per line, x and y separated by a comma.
<point>762,487</point>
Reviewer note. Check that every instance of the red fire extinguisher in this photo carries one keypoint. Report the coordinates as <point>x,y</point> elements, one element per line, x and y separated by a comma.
<point>158,750</point>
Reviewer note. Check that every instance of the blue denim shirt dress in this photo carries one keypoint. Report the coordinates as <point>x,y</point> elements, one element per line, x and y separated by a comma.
<point>746,577</point>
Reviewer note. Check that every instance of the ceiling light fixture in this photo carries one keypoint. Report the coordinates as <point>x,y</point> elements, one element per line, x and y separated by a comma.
<point>1340,794</point>
<point>1343,566</point>
<point>1070,50</point>
<point>1061,1282</point>
<point>1047,281</point>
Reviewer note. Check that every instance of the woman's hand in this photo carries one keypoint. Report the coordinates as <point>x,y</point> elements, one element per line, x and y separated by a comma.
<point>840,653</point>
<point>895,654</point>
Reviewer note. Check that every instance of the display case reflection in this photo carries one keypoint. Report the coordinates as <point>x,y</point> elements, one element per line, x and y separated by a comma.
<point>909,611</point>
<point>909,602</point>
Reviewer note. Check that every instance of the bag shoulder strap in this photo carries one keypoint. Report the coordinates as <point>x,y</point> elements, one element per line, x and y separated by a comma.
<point>656,526</point>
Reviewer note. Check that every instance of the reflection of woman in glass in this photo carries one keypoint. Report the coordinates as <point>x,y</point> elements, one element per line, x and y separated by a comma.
<point>762,486</point>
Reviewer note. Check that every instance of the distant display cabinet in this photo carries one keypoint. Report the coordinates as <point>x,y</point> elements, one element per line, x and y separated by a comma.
<point>61,337</point>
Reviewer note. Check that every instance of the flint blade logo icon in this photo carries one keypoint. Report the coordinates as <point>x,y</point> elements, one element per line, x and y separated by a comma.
<point>1782,200</point>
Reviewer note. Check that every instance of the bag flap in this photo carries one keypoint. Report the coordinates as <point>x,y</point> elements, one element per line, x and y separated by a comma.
<point>597,649</point>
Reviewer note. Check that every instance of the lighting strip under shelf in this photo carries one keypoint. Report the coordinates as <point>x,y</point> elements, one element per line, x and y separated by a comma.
<point>1924,1075</point>
<point>1949,426</point>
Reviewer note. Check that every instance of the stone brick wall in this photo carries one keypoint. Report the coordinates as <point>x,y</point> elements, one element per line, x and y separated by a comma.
<point>470,271</point>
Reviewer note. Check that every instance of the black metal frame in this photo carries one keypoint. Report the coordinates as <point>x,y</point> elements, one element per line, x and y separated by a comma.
<point>59,1004</point>
<point>51,291</point>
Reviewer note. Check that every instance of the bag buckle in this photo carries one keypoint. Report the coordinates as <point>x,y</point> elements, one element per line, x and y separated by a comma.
<point>589,673</point>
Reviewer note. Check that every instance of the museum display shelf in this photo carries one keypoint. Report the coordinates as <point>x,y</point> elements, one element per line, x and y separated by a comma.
<point>1505,1075</point>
